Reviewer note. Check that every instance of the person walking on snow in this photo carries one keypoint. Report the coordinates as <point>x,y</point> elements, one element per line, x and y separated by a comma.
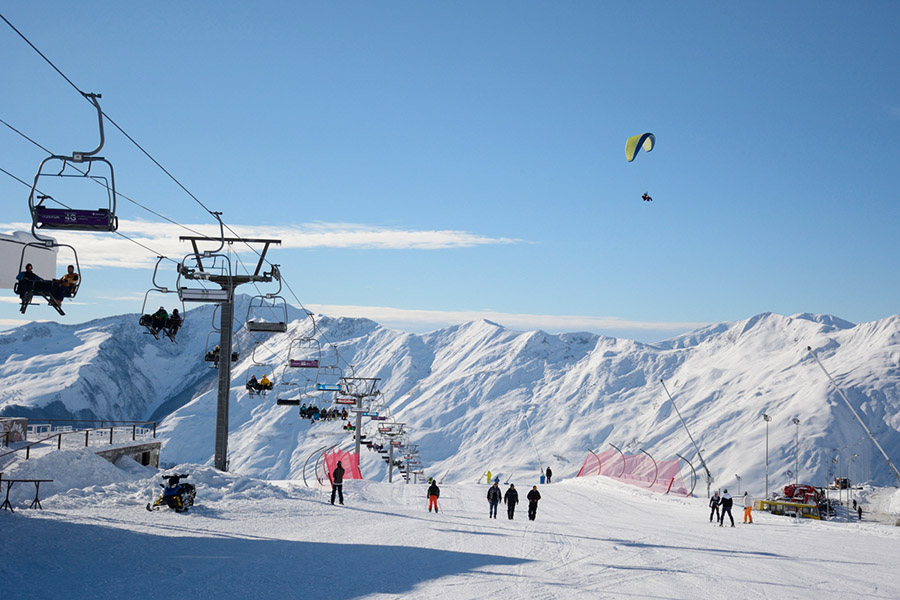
<point>511,497</point>
<point>727,502</point>
<point>493,497</point>
<point>533,496</point>
<point>714,506</point>
<point>433,493</point>
<point>549,474</point>
<point>337,483</point>
<point>748,509</point>
<point>489,477</point>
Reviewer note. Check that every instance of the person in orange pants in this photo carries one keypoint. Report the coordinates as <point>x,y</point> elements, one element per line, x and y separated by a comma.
<point>748,509</point>
<point>433,493</point>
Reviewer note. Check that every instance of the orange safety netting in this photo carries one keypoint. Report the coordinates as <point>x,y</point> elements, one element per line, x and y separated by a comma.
<point>637,469</point>
<point>348,460</point>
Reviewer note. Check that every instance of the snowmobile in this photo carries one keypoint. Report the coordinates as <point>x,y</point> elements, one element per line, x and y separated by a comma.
<point>175,494</point>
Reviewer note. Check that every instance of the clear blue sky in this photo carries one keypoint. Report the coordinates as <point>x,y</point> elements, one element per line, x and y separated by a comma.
<point>430,163</point>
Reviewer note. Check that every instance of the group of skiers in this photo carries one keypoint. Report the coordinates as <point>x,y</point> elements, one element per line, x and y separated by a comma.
<point>494,495</point>
<point>161,320</point>
<point>511,498</point>
<point>259,386</point>
<point>725,502</point>
<point>314,413</point>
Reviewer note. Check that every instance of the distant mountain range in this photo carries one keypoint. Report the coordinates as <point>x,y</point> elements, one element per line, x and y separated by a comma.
<point>470,393</point>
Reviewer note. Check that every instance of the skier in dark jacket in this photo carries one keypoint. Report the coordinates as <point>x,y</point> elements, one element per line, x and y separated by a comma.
<point>714,506</point>
<point>727,502</point>
<point>533,496</point>
<point>433,493</point>
<point>337,483</point>
<point>494,496</point>
<point>549,474</point>
<point>511,497</point>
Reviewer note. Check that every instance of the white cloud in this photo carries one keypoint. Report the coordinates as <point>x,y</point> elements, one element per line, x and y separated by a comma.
<point>111,250</point>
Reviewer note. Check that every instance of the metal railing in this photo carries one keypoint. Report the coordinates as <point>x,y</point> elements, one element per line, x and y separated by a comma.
<point>115,432</point>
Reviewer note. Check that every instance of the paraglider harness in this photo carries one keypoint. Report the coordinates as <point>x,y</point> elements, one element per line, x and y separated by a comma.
<point>175,494</point>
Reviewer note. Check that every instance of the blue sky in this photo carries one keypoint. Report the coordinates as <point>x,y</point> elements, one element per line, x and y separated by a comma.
<point>432,163</point>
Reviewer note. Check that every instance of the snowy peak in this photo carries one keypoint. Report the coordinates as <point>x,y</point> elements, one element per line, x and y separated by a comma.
<point>478,396</point>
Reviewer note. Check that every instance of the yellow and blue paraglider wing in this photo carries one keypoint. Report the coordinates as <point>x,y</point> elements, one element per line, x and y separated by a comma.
<point>643,140</point>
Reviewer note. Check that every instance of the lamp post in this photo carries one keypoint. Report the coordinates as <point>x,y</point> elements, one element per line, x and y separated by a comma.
<point>767,418</point>
<point>796,422</point>
<point>738,477</point>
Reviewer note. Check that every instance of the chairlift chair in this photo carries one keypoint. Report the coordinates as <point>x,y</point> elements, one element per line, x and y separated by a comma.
<point>211,354</point>
<point>147,320</point>
<point>26,289</point>
<point>278,307</point>
<point>275,305</point>
<point>58,166</point>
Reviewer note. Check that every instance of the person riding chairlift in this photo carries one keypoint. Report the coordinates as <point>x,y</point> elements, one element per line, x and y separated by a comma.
<point>174,323</point>
<point>158,320</point>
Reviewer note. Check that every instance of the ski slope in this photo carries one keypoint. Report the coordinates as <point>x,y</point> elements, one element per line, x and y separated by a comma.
<point>593,538</point>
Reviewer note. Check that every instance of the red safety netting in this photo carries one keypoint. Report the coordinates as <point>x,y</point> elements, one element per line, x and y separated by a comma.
<point>637,469</point>
<point>348,460</point>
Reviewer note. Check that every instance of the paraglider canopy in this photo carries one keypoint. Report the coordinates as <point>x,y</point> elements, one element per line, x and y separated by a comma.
<point>635,142</point>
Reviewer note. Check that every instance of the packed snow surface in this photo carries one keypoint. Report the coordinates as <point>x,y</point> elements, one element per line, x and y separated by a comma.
<point>247,538</point>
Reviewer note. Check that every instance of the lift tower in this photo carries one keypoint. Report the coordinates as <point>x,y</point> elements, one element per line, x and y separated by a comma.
<point>215,267</point>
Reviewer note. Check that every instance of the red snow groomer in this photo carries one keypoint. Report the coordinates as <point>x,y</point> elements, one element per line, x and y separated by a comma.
<point>806,494</point>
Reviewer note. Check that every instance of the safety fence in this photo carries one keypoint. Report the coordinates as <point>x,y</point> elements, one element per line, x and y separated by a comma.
<point>641,470</point>
<point>349,461</point>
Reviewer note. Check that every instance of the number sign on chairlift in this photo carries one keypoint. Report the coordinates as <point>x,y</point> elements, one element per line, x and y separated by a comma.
<point>304,363</point>
<point>349,401</point>
<point>377,417</point>
<point>328,387</point>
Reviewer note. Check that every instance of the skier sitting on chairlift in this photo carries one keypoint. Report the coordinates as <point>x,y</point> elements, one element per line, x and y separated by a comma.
<point>646,197</point>
<point>158,320</point>
<point>264,383</point>
<point>174,323</point>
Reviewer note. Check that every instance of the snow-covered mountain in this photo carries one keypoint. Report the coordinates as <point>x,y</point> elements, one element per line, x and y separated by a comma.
<point>469,393</point>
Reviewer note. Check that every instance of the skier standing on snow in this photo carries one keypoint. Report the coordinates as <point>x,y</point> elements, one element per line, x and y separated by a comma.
<point>727,502</point>
<point>337,483</point>
<point>748,509</point>
<point>489,477</point>
<point>533,496</point>
<point>433,493</point>
<point>511,497</point>
<point>549,474</point>
<point>493,497</point>
<point>714,506</point>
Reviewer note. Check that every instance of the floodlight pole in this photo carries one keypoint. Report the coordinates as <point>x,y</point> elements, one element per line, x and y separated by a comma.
<point>767,418</point>
<point>855,414</point>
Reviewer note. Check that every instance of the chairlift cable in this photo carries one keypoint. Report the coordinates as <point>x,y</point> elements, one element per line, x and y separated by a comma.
<point>108,118</point>
<point>118,194</point>
<point>120,234</point>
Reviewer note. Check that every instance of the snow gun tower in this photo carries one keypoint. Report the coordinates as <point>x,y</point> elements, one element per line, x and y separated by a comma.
<point>214,267</point>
